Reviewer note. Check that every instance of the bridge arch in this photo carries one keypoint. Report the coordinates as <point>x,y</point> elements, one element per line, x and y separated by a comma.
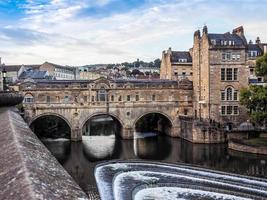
<point>119,124</point>
<point>167,127</point>
<point>58,121</point>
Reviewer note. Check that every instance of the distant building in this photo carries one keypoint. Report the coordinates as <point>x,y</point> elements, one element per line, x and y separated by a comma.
<point>88,75</point>
<point>14,71</point>
<point>60,72</point>
<point>176,65</point>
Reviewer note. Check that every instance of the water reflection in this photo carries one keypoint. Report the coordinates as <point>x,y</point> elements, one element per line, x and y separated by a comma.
<point>99,147</point>
<point>153,148</point>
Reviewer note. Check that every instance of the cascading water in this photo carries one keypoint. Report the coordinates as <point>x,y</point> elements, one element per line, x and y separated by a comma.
<point>144,180</point>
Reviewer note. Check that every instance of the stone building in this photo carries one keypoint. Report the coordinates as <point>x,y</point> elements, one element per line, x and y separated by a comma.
<point>220,65</point>
<point>60,72</point>
<point>176,65</point>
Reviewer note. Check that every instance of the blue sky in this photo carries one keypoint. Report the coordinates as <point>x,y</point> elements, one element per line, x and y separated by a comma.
<point>78,32</point>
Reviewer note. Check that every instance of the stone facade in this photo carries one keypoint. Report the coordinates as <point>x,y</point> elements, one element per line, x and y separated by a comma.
<point>127,101</point>
<point>60,72</point>
<point>176,65</point>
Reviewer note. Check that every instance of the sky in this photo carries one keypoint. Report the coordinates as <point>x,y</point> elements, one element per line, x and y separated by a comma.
<point>80,32</point>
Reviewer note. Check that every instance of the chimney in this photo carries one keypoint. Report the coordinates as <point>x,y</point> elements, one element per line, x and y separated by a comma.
<point>169,50</point>
<point>258,41</point>
<point>197,34</point>
<point>205,30</point>
<point>239,31</point>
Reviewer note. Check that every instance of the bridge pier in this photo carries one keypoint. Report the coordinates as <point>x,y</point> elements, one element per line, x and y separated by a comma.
<point>174,131</point>
<point>127,133</point>
<point>76,134</point>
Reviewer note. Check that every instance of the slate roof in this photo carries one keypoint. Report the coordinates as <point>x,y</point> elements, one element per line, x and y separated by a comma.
<point>34,74</point>
<point>176,55</point>
<point>238,41</point>
<point>254,47</point>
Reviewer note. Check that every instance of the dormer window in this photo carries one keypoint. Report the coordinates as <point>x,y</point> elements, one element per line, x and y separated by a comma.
<point>213,42</point>
<point>182,60</point>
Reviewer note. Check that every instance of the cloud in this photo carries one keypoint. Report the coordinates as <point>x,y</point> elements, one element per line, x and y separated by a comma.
<point>67,32</point>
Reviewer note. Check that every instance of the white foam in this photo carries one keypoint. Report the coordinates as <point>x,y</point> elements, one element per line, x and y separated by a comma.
<point>178,193</point>
<point>150,177</point>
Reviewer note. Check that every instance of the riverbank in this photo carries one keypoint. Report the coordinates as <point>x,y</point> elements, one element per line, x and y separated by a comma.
<point>28,169</point>
<point>255,145</point>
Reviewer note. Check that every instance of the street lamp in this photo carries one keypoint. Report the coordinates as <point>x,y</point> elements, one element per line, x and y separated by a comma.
<point>4,79</point>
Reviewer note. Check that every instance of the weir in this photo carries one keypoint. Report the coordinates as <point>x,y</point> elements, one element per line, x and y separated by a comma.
<point>147,180</point>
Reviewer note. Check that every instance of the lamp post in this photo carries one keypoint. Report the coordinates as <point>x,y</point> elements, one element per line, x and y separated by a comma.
<point>4,79</point>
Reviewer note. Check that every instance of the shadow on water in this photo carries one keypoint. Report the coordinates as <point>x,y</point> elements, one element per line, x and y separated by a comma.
<point>80,158</point>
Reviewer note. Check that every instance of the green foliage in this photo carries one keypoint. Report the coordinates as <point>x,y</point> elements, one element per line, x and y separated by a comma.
<point>254,99</point>
<point>261,66</point>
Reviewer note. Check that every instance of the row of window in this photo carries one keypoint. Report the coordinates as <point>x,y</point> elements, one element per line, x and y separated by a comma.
<point>103,97</point>
<point>223,42</point>
<point>61,75</point>
<point>183,73</point>
<point>253,54</point>
<point>229,74</point>
<point>231,56</point>
<point>100,97</point>
<point>229,110</point>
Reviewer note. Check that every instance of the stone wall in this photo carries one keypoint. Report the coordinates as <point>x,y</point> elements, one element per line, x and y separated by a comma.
<point>201,132</point>
<point>239,146</point>
<point>28,170</point>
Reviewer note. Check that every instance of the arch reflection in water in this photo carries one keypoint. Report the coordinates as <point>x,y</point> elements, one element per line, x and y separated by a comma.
<point>98,147</point>
<point>151,146</point>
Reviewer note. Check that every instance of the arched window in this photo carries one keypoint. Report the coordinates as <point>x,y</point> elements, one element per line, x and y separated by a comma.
<point>28,98</point>
<point>102,94</point>
<point>229,94</point>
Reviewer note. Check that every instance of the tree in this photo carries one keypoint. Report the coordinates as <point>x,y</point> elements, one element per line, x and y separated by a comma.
<point>261,66</point>
<point>254,98</point>
<point>157,63</point>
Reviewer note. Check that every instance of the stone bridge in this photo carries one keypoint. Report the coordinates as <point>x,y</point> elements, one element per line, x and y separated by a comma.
<point>126,101</point>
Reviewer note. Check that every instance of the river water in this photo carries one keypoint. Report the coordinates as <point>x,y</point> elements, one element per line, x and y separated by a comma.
<point>80,158</point>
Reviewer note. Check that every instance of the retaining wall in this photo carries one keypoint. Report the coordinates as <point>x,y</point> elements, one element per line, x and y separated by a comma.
<point>28,169</point>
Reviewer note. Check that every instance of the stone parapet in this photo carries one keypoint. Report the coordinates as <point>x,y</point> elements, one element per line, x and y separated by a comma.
<point>28,169</point>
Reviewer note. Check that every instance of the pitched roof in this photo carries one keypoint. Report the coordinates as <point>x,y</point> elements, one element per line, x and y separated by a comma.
<point>254,47</point>
<point>12,68</point>
<point>218,37</point>
<point>177,55</point>
<point>34,74</point>
<point>16,68</point>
